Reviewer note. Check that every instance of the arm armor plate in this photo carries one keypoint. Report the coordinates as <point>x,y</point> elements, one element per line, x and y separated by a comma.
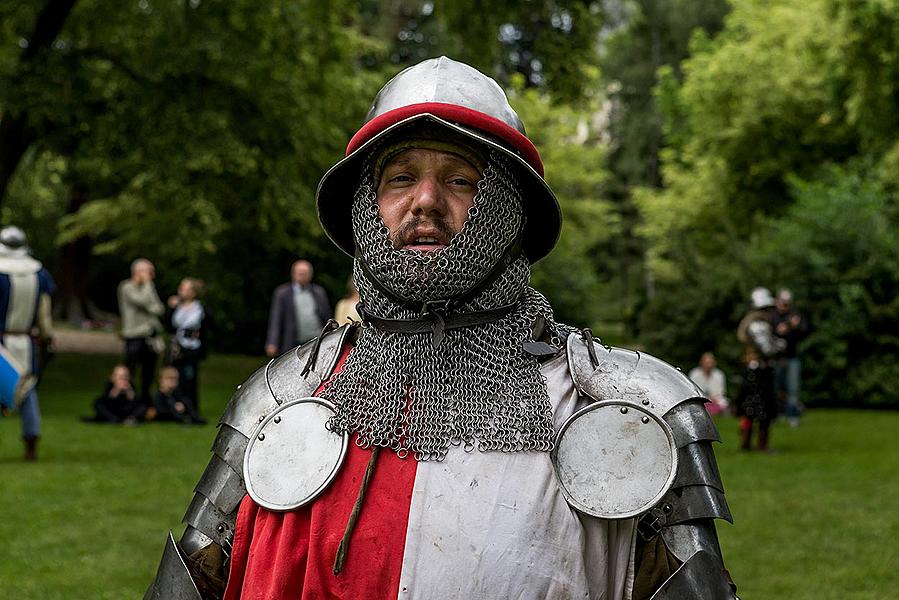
<point>685,515</point>
<point>212,513</point>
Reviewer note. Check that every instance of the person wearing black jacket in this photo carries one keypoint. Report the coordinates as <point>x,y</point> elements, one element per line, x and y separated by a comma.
<point>169,404</point>
<point>792,327</point>
<point>299,310</point>
<point>118,403</point>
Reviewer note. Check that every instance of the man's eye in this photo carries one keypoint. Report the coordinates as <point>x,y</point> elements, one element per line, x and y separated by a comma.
<point>462,181</point>
<point>400,178</point>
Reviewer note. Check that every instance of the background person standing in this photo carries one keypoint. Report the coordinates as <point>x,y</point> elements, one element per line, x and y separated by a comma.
<point>793,328</point>
<point>25,321</point>
<point>188,345</point>
<point>140,308</point>
<point>345,311</point>
<point>756,400</point>
<point>299,310</point>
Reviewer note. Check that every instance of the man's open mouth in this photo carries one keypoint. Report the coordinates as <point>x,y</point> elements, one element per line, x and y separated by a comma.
<point>425,243</point>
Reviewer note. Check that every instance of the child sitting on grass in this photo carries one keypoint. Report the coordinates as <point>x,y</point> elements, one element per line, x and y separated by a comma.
<point>169,404</point>
<point>118,402</point>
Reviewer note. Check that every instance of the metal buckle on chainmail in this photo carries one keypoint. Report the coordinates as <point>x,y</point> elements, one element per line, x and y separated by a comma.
<point>435,311</point>
<point>432,306</point>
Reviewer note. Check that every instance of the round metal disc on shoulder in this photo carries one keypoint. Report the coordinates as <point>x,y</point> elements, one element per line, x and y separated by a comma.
<point>292,457</point>
<point>614,459</point>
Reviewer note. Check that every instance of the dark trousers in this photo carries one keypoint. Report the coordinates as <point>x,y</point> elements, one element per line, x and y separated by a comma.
<point>118,408</point>
<point>187,382</point>
<point>139,354</point>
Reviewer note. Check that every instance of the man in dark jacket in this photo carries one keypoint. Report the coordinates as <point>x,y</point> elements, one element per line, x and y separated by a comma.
<point>299,310</point>
<point>793,328</point>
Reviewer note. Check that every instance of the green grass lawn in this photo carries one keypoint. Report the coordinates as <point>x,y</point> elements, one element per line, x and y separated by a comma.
<point>817,520</point>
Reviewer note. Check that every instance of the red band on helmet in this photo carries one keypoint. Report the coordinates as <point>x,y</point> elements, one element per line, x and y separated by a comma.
<point>457,114</point>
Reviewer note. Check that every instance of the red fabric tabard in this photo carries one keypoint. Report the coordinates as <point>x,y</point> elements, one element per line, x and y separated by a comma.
<point>290,556</point>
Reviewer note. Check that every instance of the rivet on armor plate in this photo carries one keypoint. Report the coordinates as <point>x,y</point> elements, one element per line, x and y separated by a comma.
<point>667,509</point>
<point>239,385</point>
<point>645,402</point>
<point>220,528</point>
<point>645,420</point>
<point>277,419</point>
<point>624,410</point>
<point>261,418</point>
<point>261,437</point>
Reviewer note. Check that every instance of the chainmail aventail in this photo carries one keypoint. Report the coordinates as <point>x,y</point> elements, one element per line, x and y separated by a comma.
<point>479,388</point>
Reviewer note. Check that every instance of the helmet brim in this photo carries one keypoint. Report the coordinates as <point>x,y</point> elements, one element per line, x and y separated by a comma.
<point>334,197</point>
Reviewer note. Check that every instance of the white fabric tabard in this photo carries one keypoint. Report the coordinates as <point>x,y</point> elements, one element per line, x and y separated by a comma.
<point>23,298</point>
<point>487,525</point>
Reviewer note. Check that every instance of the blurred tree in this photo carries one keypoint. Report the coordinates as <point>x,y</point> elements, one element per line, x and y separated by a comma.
<point>573,149</point>
<point>37,27</point>
<point>194,132</point>
<point>837,248</point>
<point>550,43</point>
<point>786,89</point>
<point>638,38</point>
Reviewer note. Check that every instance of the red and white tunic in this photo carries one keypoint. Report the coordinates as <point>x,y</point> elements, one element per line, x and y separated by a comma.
<point>479,525</point>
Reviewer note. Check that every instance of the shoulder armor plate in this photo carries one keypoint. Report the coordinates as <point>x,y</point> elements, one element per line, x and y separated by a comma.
<point>633,380</point>
<point>292,457</point>
<point>213,511</point>
<point>281,380</point>
<point>628,375</point>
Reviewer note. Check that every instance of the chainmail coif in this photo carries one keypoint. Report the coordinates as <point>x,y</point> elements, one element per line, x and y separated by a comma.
<point>479,388</point>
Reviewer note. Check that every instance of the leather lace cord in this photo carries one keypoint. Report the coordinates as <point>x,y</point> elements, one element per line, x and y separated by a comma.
<point>344,548</point>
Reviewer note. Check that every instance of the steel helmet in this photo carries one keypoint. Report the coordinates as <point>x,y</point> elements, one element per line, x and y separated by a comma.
<point>761,298</point>
<point>453,97</point>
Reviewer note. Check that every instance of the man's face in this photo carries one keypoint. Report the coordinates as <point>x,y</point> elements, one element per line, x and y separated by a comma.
<point>301,272</point>
<point>707,362</point>
<point>424,197</point>
<point>144,271</point>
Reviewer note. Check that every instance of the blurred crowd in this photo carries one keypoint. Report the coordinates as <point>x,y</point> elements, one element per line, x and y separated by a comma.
<point>164,343</point>
<point>770,383</point>
<point>174,334</point>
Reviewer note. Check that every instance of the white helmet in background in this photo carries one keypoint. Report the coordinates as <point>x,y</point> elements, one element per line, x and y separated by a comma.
<point>761,298</point>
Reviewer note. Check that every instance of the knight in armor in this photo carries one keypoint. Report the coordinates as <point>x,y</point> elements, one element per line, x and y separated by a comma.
<point>26,329</point>
<point>757,399</point>
<point>461,442</point>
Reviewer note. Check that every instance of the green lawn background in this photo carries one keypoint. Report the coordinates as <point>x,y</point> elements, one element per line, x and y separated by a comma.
<point>817,520</point>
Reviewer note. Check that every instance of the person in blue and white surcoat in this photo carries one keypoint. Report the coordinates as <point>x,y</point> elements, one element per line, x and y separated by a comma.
<point>25,323</point>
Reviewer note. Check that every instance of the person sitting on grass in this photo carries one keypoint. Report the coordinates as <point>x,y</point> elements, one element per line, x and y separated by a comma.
<point>169,404</point>
<point>118,402</point>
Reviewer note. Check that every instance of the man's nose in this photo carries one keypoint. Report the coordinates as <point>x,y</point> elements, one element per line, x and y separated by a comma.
<point>428,197</point>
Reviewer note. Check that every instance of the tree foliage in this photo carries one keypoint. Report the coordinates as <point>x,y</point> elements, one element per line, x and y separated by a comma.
<point>195,132</point>
<point>570,139</point>
<point>698,148</point>
<point>755,193</point>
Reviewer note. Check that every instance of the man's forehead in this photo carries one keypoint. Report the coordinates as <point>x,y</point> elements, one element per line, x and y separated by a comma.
<point>403,151</point>
<point>410,155</point>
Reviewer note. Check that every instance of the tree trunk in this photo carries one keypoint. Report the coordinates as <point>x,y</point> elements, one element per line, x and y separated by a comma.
<point>71,297</point>
<point>15,134</point>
